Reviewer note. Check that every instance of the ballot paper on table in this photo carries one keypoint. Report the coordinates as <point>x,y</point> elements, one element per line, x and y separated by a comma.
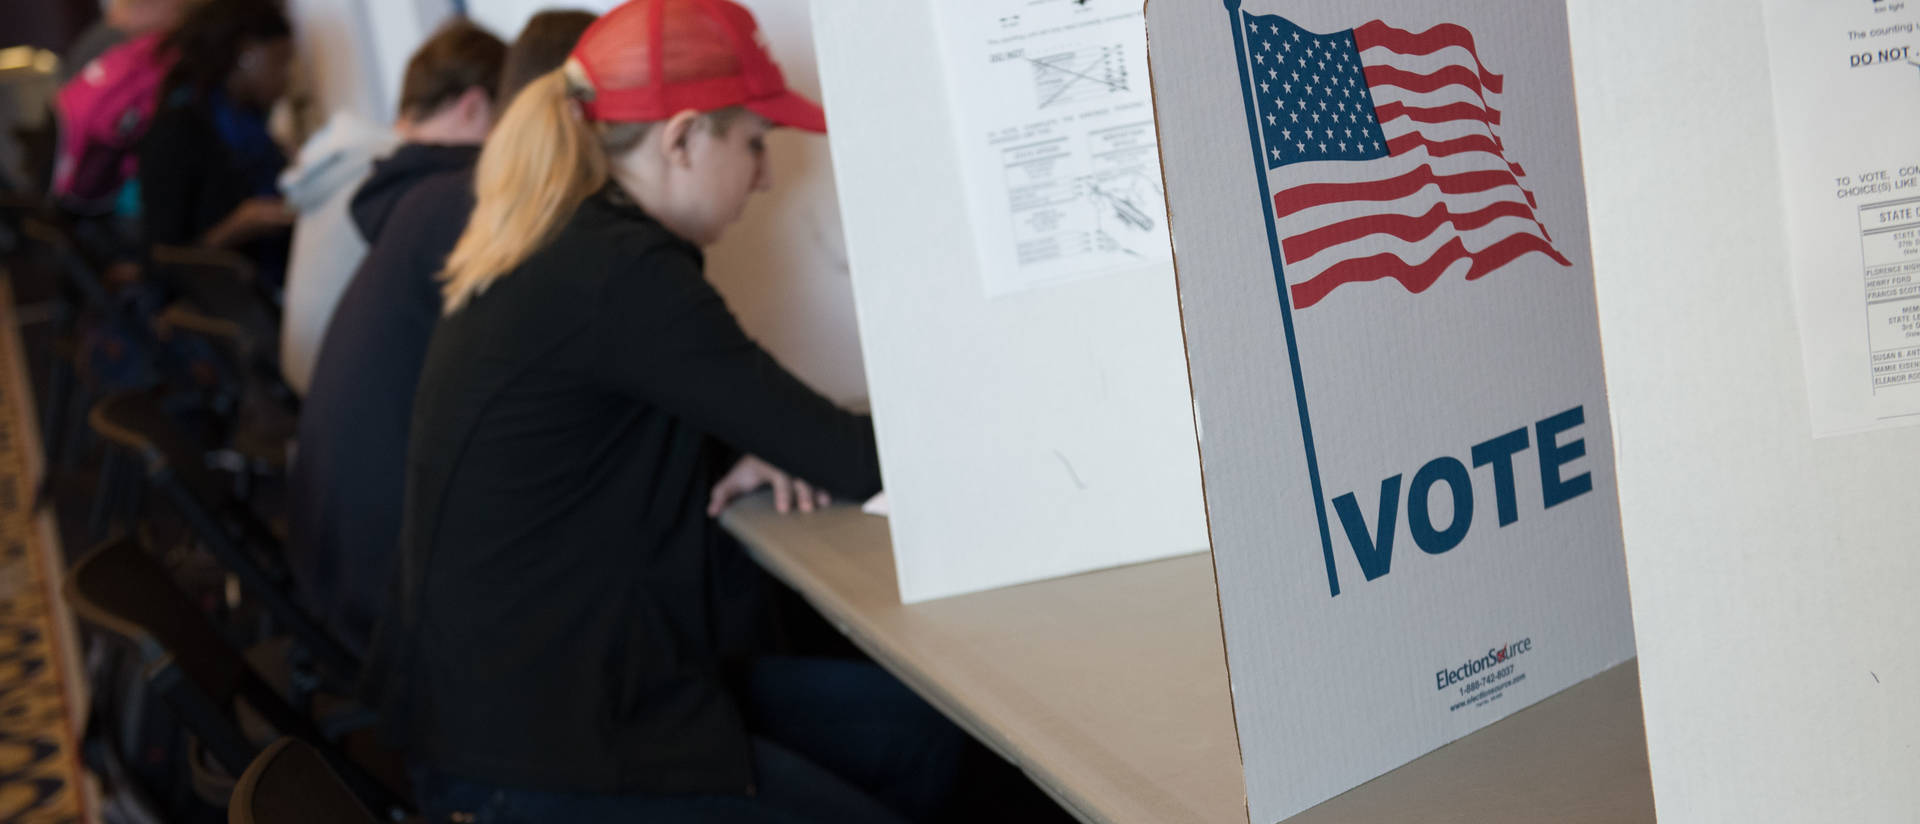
<point>1387,290</point>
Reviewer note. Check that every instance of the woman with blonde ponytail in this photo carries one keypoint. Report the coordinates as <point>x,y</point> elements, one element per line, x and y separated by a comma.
<point>566,641</point>
<point>542,161</point>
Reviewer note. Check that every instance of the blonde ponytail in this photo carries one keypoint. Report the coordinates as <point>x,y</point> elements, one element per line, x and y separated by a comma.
<point>542,160</point>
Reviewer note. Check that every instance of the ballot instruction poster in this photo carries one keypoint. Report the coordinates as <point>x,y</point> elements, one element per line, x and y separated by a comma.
<point>1056,138</point>
<point>1846,85</point>
<point>1380,228</point>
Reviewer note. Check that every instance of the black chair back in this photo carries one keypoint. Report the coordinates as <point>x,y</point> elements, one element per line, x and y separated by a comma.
<point>78,274</point>
<point>176,467</point>
<point>221,285</point>
<point>220,282</point>
<point>291,783</point>
<point>120,587</point>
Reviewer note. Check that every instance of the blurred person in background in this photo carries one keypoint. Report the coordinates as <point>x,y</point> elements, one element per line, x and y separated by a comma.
<point>346,484</point>
<point>120,21</point>
<point>447,104</point>
<point>564,644</point>
<point>209,169</point>
<point>109,87</point>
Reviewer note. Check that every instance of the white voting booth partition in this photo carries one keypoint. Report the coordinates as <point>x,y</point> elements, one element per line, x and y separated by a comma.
<point>1772,570</point>
<point>1381,234</point>
<point>1017,314</point>
<point>1771,561</point>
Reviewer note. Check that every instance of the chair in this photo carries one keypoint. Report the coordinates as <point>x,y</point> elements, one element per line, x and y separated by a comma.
<point>221,285</point>
<point>258,427</point>
<point>121,588</point>
<point>221,282</point>
<point>80,275</point>
<point>176,468</point>
<point>291,783</point>
<point>84,291</point>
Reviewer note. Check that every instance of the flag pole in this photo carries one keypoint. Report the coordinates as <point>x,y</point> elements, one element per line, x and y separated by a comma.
<point>1286,299</point>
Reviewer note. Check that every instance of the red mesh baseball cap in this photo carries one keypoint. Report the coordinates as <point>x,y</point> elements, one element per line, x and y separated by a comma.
<point>650,59</point>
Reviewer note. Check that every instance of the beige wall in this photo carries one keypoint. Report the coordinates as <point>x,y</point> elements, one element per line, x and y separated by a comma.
<point>352,53</point>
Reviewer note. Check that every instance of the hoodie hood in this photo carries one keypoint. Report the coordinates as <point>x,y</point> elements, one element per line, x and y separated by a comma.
<point>335,159</point>
<point>393,177</point>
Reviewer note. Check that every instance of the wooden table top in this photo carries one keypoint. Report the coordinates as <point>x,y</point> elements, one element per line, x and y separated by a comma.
<point>1110,690</point>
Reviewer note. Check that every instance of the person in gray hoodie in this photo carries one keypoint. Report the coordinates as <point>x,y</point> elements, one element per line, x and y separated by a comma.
<point>446,108</point>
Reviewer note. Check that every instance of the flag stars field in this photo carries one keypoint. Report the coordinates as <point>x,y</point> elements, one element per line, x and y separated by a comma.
<point>1419,185</point>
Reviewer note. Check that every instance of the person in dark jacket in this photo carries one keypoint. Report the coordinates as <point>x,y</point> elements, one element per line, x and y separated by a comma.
<point>346,485</point>
<point>446,100</point>
<point>344,489</point>
<point>208,167</point>
<point>557,649</point>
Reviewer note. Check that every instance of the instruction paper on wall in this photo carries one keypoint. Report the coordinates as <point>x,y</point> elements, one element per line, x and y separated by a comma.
<point>1846,84</point>
<point>1387,290</point>
<point>1056,138</point>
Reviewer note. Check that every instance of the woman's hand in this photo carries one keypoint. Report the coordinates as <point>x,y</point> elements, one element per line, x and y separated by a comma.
<point>254,217</point>
<point>750,474</point>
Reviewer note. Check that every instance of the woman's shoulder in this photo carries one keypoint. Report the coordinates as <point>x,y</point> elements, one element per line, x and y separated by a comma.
<point>177,142</point>
<point>622,231</point>
<point>618,261</point>
<point>183,119</point>
<point>176,115</point>
<point>585,269</point>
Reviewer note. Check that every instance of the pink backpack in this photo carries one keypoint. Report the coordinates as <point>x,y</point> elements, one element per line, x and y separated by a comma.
<point>104,110</point>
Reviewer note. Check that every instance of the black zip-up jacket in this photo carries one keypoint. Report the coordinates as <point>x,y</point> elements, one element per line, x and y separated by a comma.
<point>345,491</point>
<point>191,180</point>
<point>555,624</point>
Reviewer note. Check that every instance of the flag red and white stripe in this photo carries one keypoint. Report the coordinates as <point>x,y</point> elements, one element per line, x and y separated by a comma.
<point>1444,202</point>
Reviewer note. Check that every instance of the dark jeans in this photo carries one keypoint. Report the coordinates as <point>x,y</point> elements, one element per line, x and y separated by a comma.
<point>833,741</point>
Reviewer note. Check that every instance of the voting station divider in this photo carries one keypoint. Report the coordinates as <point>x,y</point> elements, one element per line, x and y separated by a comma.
<point>1384,307</point>
<point>1396,270</point>
<point>1381,234</point>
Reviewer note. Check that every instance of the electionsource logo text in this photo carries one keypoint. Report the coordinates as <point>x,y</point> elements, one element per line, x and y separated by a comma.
<point>1495,657</point>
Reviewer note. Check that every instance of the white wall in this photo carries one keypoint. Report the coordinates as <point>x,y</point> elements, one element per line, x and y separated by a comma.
<point>783,268</point>
<point>1772,574</point>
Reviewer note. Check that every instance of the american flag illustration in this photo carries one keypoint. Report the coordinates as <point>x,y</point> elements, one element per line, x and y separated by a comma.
<point>1383,152</point>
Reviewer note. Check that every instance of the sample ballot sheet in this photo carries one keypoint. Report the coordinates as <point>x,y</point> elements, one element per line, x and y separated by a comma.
<point>1057,140</point>
<point>1846,82</point>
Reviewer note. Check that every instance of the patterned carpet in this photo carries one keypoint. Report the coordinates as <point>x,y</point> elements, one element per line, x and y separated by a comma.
<point>41,779</point>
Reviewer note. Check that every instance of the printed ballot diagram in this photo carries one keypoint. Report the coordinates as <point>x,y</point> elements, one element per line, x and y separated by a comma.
<point>1057,139</point>
<point>1847,111</point>
<point>1095,74</point>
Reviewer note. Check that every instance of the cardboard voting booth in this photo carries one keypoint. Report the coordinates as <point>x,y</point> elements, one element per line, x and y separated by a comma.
<point>1380,230</point>
<point>1013,286</point>
<point>1772,569</point>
